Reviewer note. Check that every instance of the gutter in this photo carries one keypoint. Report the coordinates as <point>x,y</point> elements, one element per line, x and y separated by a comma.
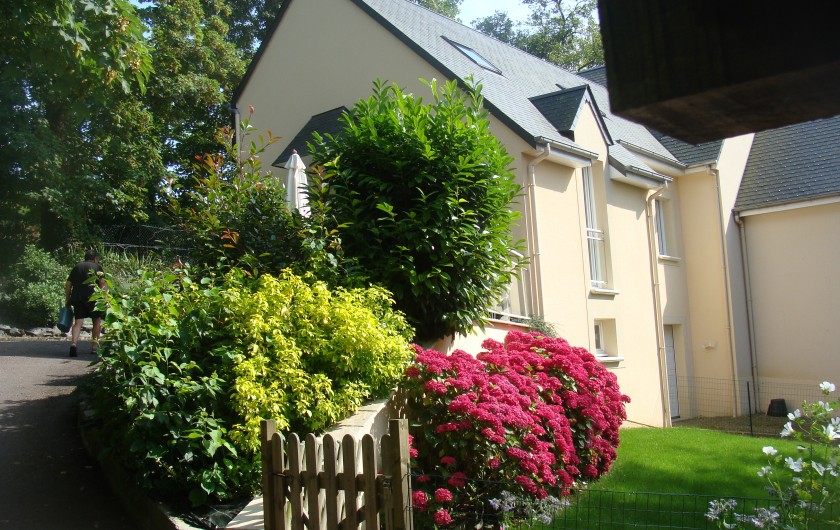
<point>742,231</point>
<point>726,286</point>
<point>532,232</point>
<point>657,307</point>
<point>571,155</point>
<point>236,132</point>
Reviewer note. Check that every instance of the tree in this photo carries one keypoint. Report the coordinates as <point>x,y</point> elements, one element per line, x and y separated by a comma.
<point>420,196</point>
<point>563,33</point>
<point>447,8</point>
<point>249,21</point>
<point>62,65</point>
<point>91,135</point>
<point>197,69</point>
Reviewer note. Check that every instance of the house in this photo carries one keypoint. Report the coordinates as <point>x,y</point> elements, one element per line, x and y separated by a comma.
<point>635,252</point>
<point>788,214</point>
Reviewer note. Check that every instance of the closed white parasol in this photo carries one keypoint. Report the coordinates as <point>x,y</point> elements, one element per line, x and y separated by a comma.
<point>296,184</point>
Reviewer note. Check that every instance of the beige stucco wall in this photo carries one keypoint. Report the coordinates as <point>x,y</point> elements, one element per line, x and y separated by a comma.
<point>310,68</point>
<point>708,351</point>
<point>793,257</point>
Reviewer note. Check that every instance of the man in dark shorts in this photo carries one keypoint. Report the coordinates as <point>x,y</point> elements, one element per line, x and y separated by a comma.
<point>77,291</point>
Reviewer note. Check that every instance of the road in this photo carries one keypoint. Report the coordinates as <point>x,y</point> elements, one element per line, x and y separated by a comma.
<point>47,480</point>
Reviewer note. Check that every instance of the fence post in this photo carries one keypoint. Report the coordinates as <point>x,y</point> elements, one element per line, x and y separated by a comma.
<point>267,430</point>
<point>399,467</point>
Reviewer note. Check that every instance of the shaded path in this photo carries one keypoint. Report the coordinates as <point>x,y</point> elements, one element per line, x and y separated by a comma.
<point>47,480</point>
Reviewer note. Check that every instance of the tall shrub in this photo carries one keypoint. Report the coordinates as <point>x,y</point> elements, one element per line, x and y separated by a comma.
<point>533,414</point>
<point>235,214</point>
<point>419,195</point>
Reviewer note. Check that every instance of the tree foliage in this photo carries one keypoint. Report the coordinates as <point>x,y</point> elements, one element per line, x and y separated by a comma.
<point>63,66</point>
<point>197,68</point>
<point>447,8</point>
<point>105,105</point>
<point>558,31</point>
<point>420,197</point>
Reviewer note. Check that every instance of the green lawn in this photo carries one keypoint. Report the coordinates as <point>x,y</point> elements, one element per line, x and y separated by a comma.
<point>681,463</point>
<point>687,460</point>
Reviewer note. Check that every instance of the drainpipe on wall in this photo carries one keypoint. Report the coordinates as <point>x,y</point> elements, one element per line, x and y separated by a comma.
<point>533,231</point>
<point>742,231</point>
<point>657,308</point>
<point>728,292</point>
<point>236,132</point>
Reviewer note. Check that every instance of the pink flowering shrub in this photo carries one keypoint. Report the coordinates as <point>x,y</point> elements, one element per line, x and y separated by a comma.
<point>533,413</point>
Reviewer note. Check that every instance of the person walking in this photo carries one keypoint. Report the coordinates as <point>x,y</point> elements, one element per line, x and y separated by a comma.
<point>77,292</point>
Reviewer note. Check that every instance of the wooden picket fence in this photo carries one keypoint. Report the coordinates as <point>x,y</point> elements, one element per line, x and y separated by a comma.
<point>327,485</point>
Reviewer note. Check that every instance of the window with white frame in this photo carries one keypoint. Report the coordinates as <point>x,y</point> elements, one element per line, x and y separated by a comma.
<point>595,236</point>
<point>661,232</point>
<point>663,223</point>
<point>600,348</point>
<point>605,341</point>
<point>514,304</point>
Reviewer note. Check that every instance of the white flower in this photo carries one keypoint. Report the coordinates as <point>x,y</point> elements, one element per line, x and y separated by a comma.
<point>827,387</point>
<point>788,429</point>
<point>836,422</point>
<point>831,432</point>
<point>825,406</point>
<point>794,465</point>
<point>770,450</point>
<point>819,468</point>
<point>795,414</point>
<point>765,471</point>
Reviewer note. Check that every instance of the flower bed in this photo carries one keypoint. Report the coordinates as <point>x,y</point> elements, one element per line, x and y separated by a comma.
<point>533,410</point>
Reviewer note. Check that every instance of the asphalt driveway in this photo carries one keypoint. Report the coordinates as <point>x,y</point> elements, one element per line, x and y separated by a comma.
<point>47,480</point>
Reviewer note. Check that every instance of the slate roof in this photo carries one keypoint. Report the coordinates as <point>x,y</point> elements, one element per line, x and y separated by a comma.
<point>688,153</point>
<point>596,75</point>
<point>791,164</point>
<point>562,108</point>
<point>324,123</point>
<point>507,94</point>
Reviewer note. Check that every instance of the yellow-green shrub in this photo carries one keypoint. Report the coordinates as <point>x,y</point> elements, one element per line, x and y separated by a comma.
<point>191,364</point>
<point>311,355</point>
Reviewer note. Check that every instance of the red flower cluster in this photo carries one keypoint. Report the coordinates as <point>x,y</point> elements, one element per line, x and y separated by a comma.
<point>534,411</point>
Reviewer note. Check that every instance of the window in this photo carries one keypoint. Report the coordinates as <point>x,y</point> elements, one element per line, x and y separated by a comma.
<point>514,305</point>
<point>664,228</point>
<point>594,235</point>
<point>605,341</point>
<point>474,56</point>
<point>599,338</point>
<point>661,234</point>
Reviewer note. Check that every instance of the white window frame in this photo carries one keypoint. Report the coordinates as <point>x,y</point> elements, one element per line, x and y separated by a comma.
<point>595,237</point>
<point>501,310</point>
<point>600,350</point>
<point>661,228</point>
<point>605,341</point>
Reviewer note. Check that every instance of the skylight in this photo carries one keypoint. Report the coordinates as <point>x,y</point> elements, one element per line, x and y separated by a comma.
<point>474,56</point>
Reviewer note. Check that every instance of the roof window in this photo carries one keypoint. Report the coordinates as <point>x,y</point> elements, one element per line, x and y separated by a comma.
<point>474,56</point>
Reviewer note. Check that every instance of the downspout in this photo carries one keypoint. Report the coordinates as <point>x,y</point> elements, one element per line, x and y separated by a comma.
<point>742,230</point>
<point>728,291</point>
<point>236,133</point>
<point>657,307</point>
<point>533,231</point>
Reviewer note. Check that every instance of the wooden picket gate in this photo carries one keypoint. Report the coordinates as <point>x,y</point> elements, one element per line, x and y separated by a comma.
<point>324,488</point>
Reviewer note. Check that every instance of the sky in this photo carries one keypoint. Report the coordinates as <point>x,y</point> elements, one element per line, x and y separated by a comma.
<point>473,9</point>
